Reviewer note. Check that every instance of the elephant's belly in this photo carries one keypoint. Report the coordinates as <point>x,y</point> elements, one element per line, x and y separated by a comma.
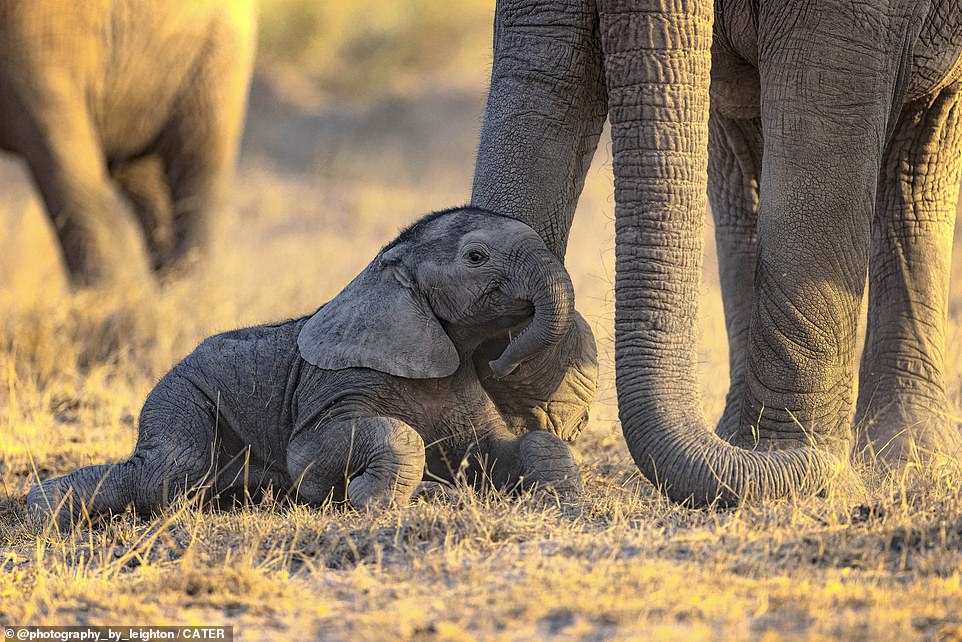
<point>149,67</point>
<point>248,463</point>
<point>131,116</point>
<point>936,62</point>
<point>937,58</point>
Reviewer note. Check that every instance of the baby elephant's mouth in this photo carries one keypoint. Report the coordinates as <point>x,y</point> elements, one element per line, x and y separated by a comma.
<point>499,313</point>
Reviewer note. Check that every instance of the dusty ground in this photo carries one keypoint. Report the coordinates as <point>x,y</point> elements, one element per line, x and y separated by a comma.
<point>323,184</point>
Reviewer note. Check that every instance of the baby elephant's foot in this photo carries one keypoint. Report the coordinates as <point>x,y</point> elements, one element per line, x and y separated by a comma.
<point>394,469</point>
<point>547,462</point>
<point>382,457</point>
<point>51,500</point>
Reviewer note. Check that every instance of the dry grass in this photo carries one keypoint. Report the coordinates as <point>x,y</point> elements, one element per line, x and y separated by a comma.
<point>320,189</point>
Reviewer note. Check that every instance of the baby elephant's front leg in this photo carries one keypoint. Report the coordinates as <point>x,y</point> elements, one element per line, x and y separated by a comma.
<point>366,460</point>
<point>538,459</point>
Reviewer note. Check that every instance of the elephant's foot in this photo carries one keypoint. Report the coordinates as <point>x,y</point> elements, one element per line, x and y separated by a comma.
<point>548,463</point>
<point>844,484</point>
<point>52,501</point>
<point>748,438</point>
<point>902,435</point>
<point>763,434</point>
<point>759,425</point>
<point>538,460</point>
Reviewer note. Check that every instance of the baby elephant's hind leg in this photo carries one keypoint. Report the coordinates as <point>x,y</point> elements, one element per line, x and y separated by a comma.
<point>92,490</point>
<point>147,483</point>
<point>174,454</point>
<point>366,460</point>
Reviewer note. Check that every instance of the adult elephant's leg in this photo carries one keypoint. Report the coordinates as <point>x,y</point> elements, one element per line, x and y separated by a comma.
<point>366,460</point>
<point>545,111</point>
<point>200,144</point>
<point>66,161</point>
<point>829,92</point>
<point>544,114</point>
<point>902,411</point>
<point>144,183</point>
<point>734,165</point>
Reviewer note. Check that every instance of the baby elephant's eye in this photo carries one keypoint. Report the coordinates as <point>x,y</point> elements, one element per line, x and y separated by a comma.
<point>475,256</point>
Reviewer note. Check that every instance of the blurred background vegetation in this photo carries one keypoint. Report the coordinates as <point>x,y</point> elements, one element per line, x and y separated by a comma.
<point>366,47</point>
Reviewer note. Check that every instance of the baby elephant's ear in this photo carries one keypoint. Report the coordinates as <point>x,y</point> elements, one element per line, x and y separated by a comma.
<point>379,321</point>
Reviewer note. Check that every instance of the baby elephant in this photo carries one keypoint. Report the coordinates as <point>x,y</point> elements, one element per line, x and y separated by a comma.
<point>457,350</point>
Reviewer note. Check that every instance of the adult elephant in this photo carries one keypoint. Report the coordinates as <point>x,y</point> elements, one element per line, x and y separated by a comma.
<point>147,94</point>
<point>823,115</point>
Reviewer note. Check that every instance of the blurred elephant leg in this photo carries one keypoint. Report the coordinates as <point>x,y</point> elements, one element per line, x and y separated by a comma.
<point>902,407</point>
<point>734,164</point>
<point>366,460</point>
<point>198,167</point>
<point>144,183</point>
<point>199,149</point>
<point>68,167</point>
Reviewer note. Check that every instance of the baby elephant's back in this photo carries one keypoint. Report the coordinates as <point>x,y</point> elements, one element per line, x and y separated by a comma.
<point>247,377</point>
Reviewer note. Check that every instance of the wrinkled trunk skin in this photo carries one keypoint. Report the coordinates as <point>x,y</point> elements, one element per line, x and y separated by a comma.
<point>657,57</point>
<point>545,111</point>
<point>548,287</point>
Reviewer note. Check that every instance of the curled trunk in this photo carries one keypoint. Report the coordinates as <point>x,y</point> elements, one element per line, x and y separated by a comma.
<point>548,288</point>
<point>657,61</point>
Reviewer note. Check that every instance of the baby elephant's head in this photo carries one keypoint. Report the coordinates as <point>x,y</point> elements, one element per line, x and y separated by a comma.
<point>470,271</point>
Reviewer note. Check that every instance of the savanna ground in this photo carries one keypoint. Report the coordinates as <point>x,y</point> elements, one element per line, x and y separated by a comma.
<point>363,118</point>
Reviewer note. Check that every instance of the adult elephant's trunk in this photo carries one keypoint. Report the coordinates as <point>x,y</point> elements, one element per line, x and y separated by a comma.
<point>657,61</point>
<point>546,284</point>
<point>545,112</point>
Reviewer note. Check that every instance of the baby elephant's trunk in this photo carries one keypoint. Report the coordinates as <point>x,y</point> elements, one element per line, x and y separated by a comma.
<point>544,282</point>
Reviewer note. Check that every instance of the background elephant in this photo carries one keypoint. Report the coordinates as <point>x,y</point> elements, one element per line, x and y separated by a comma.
<point>381,383</point>
<point>832,148</point>
<point>147,95</point>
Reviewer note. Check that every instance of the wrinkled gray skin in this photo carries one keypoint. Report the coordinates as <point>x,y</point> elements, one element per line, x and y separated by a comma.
<point>831,140</point>
<point>145,95</point>
<point>385,384</point>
